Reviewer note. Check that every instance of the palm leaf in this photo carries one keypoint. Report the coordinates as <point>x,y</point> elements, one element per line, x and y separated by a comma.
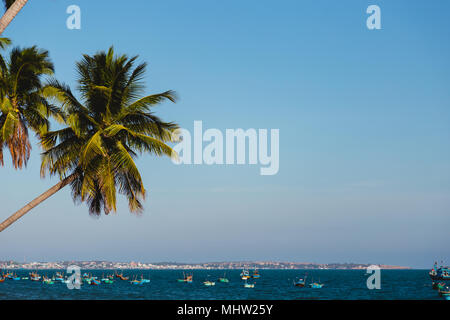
<point>93,148</point>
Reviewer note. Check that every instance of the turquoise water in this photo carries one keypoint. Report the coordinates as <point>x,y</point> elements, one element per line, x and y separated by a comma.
<point>273,284</point>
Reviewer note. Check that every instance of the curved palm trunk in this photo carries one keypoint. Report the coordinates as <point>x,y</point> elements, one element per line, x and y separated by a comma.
<point>10,14</point>
<point>47,194</point>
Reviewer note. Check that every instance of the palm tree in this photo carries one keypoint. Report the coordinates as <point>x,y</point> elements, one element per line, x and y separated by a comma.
<point>4,42</point>
<point>12,9</point>
<point>22,104</point>
<point>105,132</point>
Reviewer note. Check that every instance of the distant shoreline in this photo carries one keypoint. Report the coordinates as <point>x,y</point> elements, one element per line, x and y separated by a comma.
<point>265,265</point>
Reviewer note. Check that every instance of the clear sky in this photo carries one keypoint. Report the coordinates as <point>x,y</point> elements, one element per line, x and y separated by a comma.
<point>364,119</point>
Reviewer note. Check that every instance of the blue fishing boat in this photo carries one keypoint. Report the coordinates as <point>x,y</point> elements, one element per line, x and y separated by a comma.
<point>135,281</point>
<point>316,285</point>
<point>300,282</point>
<point>144,280</point>
<point>439,273</point>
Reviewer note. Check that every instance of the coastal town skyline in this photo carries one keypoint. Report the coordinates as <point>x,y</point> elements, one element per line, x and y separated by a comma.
<point>232,265</point>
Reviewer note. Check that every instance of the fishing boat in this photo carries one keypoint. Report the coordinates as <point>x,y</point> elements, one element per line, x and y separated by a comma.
<point>107,279</point>
<point>224,279</point>
<point>438,285</point>
<point>58,277</point>
<point>300,282</point>
<point>186,278</point>
<point>445,293</point>
<point>209,283</point>
<point>144,280</point>
<point>47,280</point>
<point>439,273</point>
<point>316,285</point>
<point>15,277</point>
<point>245,274</point>
<point>135,281</point>
<point>248,285</point>
<point>103,278</point>
<point>94,282</point>
<point>255,274</point>
<point>34,276</point>
<point>121,277</point>
<point>2,279</point>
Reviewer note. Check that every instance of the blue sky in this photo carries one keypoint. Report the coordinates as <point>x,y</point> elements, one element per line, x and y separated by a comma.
<point>364,132</point>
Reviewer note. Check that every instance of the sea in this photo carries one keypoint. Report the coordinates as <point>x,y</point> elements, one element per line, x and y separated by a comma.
<point>272,285</point>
